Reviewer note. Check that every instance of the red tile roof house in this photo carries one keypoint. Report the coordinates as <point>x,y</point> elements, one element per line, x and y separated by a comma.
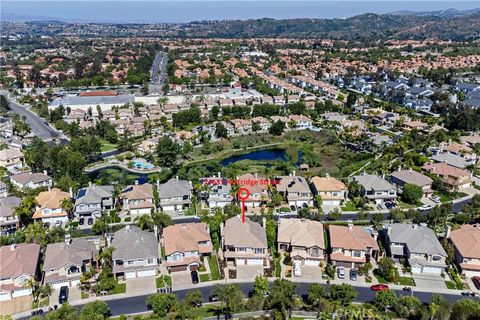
<point>138,199</point>
<point>452,177</point>
<point>351,246</point>
<point>19,263</point>
<point>186,245</point>
<point>466,242</point>
<point>304,240</point>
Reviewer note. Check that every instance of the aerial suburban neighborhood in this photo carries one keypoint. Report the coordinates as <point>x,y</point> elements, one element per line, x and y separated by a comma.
<point>314,168</point>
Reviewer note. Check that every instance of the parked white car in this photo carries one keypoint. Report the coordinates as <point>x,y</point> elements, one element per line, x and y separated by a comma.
<point>341,273</point>
<point>297,270</point>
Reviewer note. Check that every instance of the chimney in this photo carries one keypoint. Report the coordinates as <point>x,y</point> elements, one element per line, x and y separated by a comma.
<point>389,230</point>
<point>191,185</point>
<point>399,168</point>
<point>89,184</point>
<point>136,182</point>
<point>350,224</point>
<point>109,240</point>
<point>68,239</point>
<point>410,170</point>
<point>375,235</point>
<point>294,173</point>
<point>448,231</point>
<point>45,172</point>
<point>264,222</point>
<point>12,247</point>
<point>71,192</point>
<point>127,227</point>
<point>219,174</point>
<point>176,178</point>
<point>155,231</point>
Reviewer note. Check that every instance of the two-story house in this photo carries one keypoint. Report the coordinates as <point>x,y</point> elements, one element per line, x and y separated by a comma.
<point>258,191</point>
<point>19,263</point>
<point>301,121</point>
<point>303,239</point>
<point>466,243</point>
<point>137,199</point>
<point>242,126</point>
<point>262,123</point>
<point>453,178</point>
<point>402,177</point>
<point>93,200</point>
<point>186,245</point>
<point>376,189</point>
<point>11,158</point>
<point>332,191</point>
<point>417,245</point>
<point>244,243</point>
<point>8,219</point>
<point>295,190</point>
<point>31,180</point>
<point>219,192</point>
<point>351,246</point>
<point>65,262</point>
<point>49,207</point>
<point>175,195</point>
<point>136,253</point>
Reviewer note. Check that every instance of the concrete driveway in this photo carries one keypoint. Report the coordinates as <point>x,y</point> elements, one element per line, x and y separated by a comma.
<point>249,272</point>
<point>429,281</point>
<point>181,280</point>
<point>310,273</point>
<point>16,305</point>
<point>141,285</point>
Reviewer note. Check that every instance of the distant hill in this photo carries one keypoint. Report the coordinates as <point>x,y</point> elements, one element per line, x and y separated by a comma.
<point>367,26</point>
<point>448,13</point>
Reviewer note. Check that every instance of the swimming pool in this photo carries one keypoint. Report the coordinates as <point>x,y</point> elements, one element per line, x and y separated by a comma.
<point>142,164</point>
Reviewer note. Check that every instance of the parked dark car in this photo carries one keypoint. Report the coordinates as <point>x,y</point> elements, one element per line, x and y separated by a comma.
<point>90,221</point>
<point>63,296</point>
<point>194,275</point>
<point>476,282</point>
<point>81,221</point>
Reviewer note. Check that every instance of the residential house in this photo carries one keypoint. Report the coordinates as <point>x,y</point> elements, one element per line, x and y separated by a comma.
<point>303,239</point>
<point>65,262</point>
<point>241,125</point>
<point>417,245</point>
<point>136,253</point>
<point>49,207</point>
<point>451,159</point>
<point>175,195</point>
<point>351,246</point>
<point>31,180</point>
<point>244,243</point>
<point>295,190</point>
<point>219,192</point>
<point>93,200</point>
<point>11,158</point>
<point>9,221</point>
<point>19,264</point>
<point>466,243</point>
<point>453,178</point>
<point>459,149</point>
<point>402,177</point>
<point>262,122</point>
<point>301,121</point>
<point>376,189</point>
<point>186,245</point>
<point>138,199</point>
<point>258,191</point>
<point>332,191</point>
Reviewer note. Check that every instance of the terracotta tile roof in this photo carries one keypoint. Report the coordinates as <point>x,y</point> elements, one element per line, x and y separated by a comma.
<point>328,184</point>
<point>443,169</point>
<point>353,237</point>
<point>467,241</point>
<point>245,235</point>
<point>19,259</point>
<point>186,237</point>
<point>301,232</point>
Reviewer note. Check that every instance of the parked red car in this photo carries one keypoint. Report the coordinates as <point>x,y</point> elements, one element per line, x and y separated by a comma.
<point>379,287</point>
<point>476,281</point>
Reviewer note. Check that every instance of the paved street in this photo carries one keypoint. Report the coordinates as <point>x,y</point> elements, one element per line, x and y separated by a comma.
<point>41,130</point>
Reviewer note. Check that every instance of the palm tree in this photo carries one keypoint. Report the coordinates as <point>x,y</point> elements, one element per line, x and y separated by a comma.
<point>35,233</point>
<point>24,212</point>
<point>144,221</point>
<point>66,205</point>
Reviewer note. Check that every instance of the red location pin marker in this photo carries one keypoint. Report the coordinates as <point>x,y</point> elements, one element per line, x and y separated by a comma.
<point>243,195</point>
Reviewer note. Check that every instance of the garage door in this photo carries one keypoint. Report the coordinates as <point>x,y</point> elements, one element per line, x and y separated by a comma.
<point>432,270</point>
<point>311,262</point>
<point>74,283</point>
<point>130,274</point>
<point>416,269</point>
<point>178,268</point>
<point>331,202</point>
<point>255,262</point>
<point>146,273</point>
<point>240,262</point>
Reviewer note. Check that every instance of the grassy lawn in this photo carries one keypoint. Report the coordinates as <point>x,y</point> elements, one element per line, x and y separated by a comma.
<point>119,288</point>
<point>348,206</point>
<point>285,210</point>
<point>451,285</point>
<point>214,269</point>
<point>204,277</point>
<point>406,281</point>
<point>83,295</point>
<point>404,205</point>
<point>446,197</point>
<point>107,146</point>
<point>162,281</point>
<point>380,279</point>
